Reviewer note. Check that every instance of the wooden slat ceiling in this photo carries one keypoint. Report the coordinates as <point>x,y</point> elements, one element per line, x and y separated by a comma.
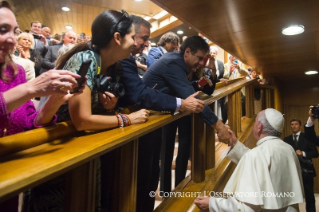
<point>81,14</point>
<point>251,30</point>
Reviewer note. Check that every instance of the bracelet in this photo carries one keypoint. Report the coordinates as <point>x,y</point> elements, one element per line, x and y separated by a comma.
<point>129,121</point>
<point>126,119</point>
<point>121,120</point>
<point>4,111</point>
<point>118,120</point>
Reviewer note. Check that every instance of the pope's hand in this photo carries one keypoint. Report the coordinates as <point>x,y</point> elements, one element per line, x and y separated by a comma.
<point>202,203</point>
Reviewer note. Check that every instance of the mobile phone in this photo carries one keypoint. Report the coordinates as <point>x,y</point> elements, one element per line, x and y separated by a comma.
<point>82,72</point>
<point>206,60</point>
<point>36,36</point>
<point>202,82</point>
<point>236,62</point>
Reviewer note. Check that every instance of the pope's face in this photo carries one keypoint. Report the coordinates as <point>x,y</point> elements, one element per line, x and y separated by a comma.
<point>257,130</point>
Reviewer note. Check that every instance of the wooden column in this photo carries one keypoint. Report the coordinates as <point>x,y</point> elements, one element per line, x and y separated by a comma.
<point>268,98</point>
<point>231,112</point>
<point>238,113</point>
<point>80,188</point>
<point>125,181</point>
<point>210,144</point>
<point>249,101</point>
<point>198,148</point>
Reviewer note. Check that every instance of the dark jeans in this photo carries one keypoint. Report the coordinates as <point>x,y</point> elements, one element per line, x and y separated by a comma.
<point>167,153</point>
<point>149,148</point>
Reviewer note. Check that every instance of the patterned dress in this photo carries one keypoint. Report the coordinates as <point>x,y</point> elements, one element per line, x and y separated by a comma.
<point>49,196</point>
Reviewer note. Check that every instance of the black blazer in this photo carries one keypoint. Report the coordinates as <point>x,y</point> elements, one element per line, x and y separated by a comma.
<point>136,92</point>
<point>310,134</point>
<point>48,61</point>
<point>169,74</point>
<point>304,145</point>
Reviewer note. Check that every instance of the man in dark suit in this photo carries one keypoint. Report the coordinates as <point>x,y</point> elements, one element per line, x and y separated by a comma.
<point>168,43</point>
<point>170,75</point>
<point>137,93</point>
<point>40,46</point>
<point>48,62</point>
<point>305,150</point>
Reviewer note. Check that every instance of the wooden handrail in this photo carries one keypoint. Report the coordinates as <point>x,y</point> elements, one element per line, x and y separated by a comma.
<point>21,141</point>
<point>57,149</point>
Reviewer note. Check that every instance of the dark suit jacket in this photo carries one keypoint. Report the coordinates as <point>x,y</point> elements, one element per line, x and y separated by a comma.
<point>48,61</point>
<point>154,55</point>
<point>37,54</point>
<point>170,75</point>
<point>304,145</point>
<point>136,92</point>
<point>310,134</point>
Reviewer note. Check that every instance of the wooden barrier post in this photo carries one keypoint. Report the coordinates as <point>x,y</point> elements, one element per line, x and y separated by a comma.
<point>125,179</point>
<point>210,144</point>
<point>80,188</point>
<point>231,112</point>
<point>198,148</point>
<point>238,113</point>
<point>249,101</point>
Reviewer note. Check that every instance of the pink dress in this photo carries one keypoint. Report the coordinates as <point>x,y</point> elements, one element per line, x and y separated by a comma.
<point>23,118</point>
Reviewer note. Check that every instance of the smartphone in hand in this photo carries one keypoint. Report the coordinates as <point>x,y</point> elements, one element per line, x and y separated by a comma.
<point>82,72</point>
<point>202,82</point>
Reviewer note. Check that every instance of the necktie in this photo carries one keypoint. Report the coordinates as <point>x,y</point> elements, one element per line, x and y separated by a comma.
<point>295,140</point>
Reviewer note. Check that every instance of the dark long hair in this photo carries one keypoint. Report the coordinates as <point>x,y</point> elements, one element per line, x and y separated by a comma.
<point>8,60</point>
<point>103,28</point>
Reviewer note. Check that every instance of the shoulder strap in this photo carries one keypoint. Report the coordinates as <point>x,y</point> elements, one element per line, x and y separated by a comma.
<point>98,62</point>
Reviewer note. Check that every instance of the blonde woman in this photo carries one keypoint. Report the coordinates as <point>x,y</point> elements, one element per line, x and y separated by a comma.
<point>25,45</point>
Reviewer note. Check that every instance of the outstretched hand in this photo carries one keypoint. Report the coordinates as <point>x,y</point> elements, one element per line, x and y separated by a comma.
<point>222,132</point>
<point>53,82</point>
<point>191,104</point>
<point>233,140</point>
<point>202,203</point>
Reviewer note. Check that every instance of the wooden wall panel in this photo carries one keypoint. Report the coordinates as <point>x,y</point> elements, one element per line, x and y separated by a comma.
<point>297,96</point>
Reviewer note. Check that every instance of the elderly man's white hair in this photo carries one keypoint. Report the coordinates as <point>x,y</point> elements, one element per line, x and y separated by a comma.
<point>213,48</point>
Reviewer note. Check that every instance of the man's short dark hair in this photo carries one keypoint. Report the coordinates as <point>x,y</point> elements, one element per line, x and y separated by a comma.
<point>294,119</point>
<point>138,21</point>
<point>168,37</point>
<point>194,43</point>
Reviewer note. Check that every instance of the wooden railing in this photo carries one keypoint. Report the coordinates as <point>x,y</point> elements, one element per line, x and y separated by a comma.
<point>33,157</point>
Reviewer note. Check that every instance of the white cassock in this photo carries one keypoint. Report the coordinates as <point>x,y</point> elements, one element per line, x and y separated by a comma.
<point>267,178</point>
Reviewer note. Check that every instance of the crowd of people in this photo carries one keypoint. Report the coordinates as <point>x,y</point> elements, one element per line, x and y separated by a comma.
<point>167,78</point>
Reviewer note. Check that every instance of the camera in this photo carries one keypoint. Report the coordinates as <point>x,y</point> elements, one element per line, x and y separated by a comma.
<point>36,36</point>
<point>104,83</point>
<point>315,111</point>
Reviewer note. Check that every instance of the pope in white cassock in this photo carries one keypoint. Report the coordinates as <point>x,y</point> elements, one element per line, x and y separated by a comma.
<point>267,177</point>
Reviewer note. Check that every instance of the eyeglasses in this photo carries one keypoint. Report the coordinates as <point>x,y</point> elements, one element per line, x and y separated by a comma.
<point>125,15</point>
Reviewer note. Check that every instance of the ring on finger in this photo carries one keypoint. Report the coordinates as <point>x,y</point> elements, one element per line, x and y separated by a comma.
<point>63,85</point>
